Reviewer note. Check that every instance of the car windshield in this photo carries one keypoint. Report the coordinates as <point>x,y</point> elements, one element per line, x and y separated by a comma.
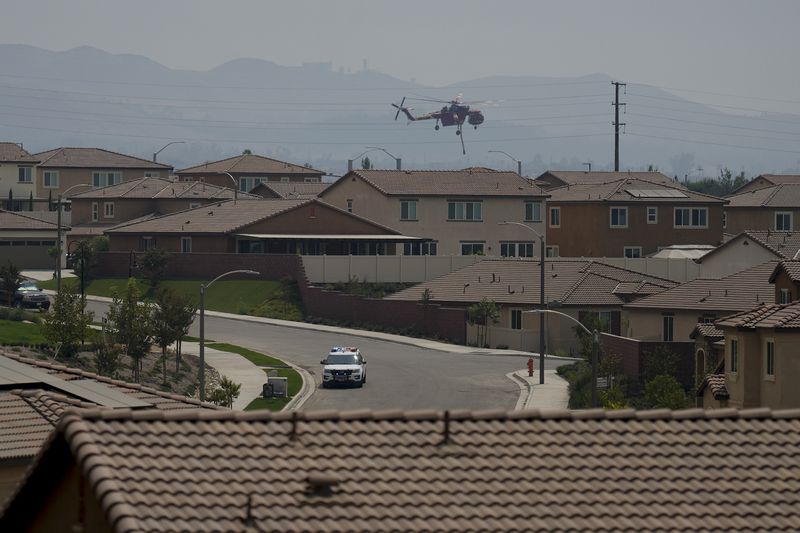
<point>28,286</point>
<point>342,359</point>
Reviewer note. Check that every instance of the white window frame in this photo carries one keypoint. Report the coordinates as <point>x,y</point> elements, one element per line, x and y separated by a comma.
<point>349,205</point>
<point>459,211</point>
<point>311,180</point>
<point>410,206</point>
<point>769,359</point>
<point>104,178</point>
<point>535,208</point>
<point>554,212</point>
<point>146,243</point>
<point>186,245</point>
<point>515,319</point>
<point>691,211</point>
<point>551,251</point>
<point>95,211</point>
<point>27,174</point>
<point>787,214</point>
<point>152,174</point>
<point>785,296</point>
<point>734,355</point>
<point>620,209</point>
<point>515,247</point>
<point>285,179</point>
<point>108,209</point>
<point>50,179</point>
<point>652,210</point>
<point>636,252</point>
<point>481,244</point>
<point>420,248</point>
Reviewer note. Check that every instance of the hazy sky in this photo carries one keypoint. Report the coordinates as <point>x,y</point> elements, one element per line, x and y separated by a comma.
<point>748,49</point>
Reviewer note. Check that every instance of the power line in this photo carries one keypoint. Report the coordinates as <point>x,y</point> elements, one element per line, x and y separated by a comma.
<point>715,144</point>
<point>761,98</point>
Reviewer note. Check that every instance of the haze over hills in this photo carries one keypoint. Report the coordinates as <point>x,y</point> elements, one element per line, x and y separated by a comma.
<point>322,116</point>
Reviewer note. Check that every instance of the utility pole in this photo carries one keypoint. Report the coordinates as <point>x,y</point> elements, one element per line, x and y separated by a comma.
<point>616,103</point>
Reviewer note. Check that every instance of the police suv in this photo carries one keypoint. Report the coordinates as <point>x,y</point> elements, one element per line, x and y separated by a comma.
<point>344,366</point>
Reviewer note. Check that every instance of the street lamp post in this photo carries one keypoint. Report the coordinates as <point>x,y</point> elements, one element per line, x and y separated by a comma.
<point>58,231</point>
<point>519,163</point>
<point>397,160</point>
<point>235,186</point>
<point>202,371</point>
<point>162,148</point>
<point>595,345</point>
<point>541,292</point>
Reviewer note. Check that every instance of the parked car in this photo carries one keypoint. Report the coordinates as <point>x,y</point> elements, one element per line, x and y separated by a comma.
<point>344,366</point>
<point>30,296</point>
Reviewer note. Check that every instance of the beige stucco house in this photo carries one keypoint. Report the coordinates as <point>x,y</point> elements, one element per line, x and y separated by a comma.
<point>17,169</point>
<point>247,171</point>
<point>458,211</point>
<point>748,249</point>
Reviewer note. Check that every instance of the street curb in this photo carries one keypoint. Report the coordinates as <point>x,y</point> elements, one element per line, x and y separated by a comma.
<point>525,388</point>
<point>306,391</point>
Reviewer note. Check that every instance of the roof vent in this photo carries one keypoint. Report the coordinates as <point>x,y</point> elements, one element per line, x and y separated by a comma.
<point>320,485</point>
<point>211,213</point>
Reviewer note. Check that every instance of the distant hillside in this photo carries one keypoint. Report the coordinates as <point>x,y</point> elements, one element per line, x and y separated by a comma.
<point>314,114</point>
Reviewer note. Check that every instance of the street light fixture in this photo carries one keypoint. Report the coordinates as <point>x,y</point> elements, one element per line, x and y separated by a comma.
<point>398,161</point>
<point>202,372</point>
<point>519,163</point>
<point>58,231</point>
<point>162,148</point>
<point>235,186</point>
<point>541,293</point>
<point>595,345</point>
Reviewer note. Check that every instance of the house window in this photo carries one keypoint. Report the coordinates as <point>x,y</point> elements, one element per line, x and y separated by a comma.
<point>311,180</point>
<point>691,217</point>
<point>105,178</point>
<point>108,209</point>
<point>632,251</point>
<point>786,296</point>
<point>472,248</point>
<point>408,210</point>
<point>146,243</point>
<point>50,179</point>
<point>551,251</point>
<point>724,220</point>
<point>734,356</point>
<point>463,210</point>
<point>619,217</point>
<point>25,174</point>
<point>533,211</point>
<point>247,184</point>
<point>516,249</point>
<point>516,319</point>
<point>419,248</point>
<point>151,174</point>
<point>770,359</point>
<point>783,221</point>
<point>95,211</point>
<point>186,245</point>
<point>652,215</point>
<point>668,321</point>
<point>285,179</point>
<point>349,205</point>
<point>193,205</point>
<point>555,217</point>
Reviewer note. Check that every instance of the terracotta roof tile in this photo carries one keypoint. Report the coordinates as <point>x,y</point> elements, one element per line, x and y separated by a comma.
<point>707,330</point>
<point>630,190</point>
<point>291,191</point>
<point>14,153</point>
<point>574,176</point>
<point>468,182</point>
<point>783,195</point>
<point>13,220</point>
<point>716,383</point>
<point>657,470</point>
<point>154,188</point>
<point>790,267</point>
<point>94,158</point>
<point>250,164</point>
<point>774,316</point>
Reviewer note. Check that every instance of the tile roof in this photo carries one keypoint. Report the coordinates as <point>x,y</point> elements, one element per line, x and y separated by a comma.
<point>15,220</point>
<point>516,281</point>
<point>629,190</point>
<point>716,382</point>
<point>736,292</point>
<point>94,158</point>
<point>468,182</point>
<point>155,188</point>
<point>250,164</point>
<point>772,316</point>
<point>576,176</point>
<point>291,191</point>
<point>14,153</point>
<point>783,195</point>
<point>790,267</point>
<point>430,471</point>
<point>708,330</point>
<point>780,178</point>
<point>784,244</point>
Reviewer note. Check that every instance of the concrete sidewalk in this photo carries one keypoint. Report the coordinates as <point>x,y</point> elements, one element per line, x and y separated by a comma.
<point>552,394</point>
<point>46,275</point>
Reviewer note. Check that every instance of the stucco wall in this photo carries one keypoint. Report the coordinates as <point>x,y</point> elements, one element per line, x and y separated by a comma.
<point>757,218</point>
<point>9,179</point>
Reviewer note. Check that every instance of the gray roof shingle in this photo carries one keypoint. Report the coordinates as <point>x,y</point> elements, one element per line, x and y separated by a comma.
<point>773,316</point>
<point>154,188</point>
<point>94,158</point>
<point>249,164</point>
<point>468,182</point>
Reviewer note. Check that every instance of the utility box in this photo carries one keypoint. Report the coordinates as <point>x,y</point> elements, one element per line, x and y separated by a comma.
<point>266,390</point>
<point>279,385</point>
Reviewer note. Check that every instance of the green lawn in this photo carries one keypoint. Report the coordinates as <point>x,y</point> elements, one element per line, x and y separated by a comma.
<point>256,358</point>
<point>13,333</point>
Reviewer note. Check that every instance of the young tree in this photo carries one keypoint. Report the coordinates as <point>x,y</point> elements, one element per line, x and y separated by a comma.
<point>183,311</point>
<point>481,314</point>
<point>226,392</point>
<point>130,324</point>
<point>30,202</point>
<point>68,322</point>
<point>164,330</point>
<point>10,281</point>
<point>106,358</point>
<point>366,164</point>
<point>664,392</point>
<point>154,263</point>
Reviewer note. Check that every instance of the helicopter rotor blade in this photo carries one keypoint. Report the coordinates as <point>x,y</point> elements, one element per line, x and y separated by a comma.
<point>399,107</point>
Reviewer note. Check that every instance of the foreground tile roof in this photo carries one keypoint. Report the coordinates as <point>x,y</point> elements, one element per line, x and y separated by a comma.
<point>516,281</point>
<point>94,158</point>
<point>155,188</point>
<point>249,164</point>
<point>431,471</point>
<point>782,195</point>
<point>707,330</point>
<point>467,182</point>
<point>630,190</point>
<point>14,153</point>
<point>15,220</point>
<point>775,316</point>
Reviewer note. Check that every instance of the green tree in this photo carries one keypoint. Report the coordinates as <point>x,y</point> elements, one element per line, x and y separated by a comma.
<point>68,322</point>
<point>482,314</point>
<point>30,202</point>
<point>154,264</point>
<point>129,322</point>
<point>660,361</point>
<point>247,151</point>
<point>664,392</point>
<point>366,164</point>
<point>226,392</point>
<point>10,281</point>
<point>182,314</point>
<point>106,357</point>
<point>173,314</point>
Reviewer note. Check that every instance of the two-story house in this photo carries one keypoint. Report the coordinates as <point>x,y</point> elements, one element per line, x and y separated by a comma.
<point>553,179</point>
<point>16,176</point>
<point>248,170</point>
<point>458,212</point>
<point>767,180</point>
<point>770,208</point>
<point>629,217</point>
<point>62,168</point>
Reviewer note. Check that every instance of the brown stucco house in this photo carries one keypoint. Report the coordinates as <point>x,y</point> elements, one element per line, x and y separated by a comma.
<point>309,227</point>
<point>17,171</point>
<point>457,211</point>
<point>553,179</point>
<point>248,170</point>
<point>62,168</point>
<point>629,217</point>
<point>770,208</point>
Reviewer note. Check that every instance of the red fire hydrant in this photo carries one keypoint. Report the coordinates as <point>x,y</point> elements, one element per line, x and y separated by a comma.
<point>530,366</point>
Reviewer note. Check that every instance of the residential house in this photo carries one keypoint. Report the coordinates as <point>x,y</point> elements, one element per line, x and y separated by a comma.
<point>62,168</point>
<point>289,190</point>
<point>629,217</point>
<point>25,240</point>
<point>96,210</point>
<point>583,289</point>
<point>771,208</point>
<point>35,394</point>
<point>248,170</point>
<point>259,226</point>
<point>709,356</point>
<point>672,315</point>
<point>748,249</point>
<point>16,177</point>
<point>414,471</point>
<point>553,179</point>
<point>457,212</point>
<point>786,279</point>
<point>767,180</point>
